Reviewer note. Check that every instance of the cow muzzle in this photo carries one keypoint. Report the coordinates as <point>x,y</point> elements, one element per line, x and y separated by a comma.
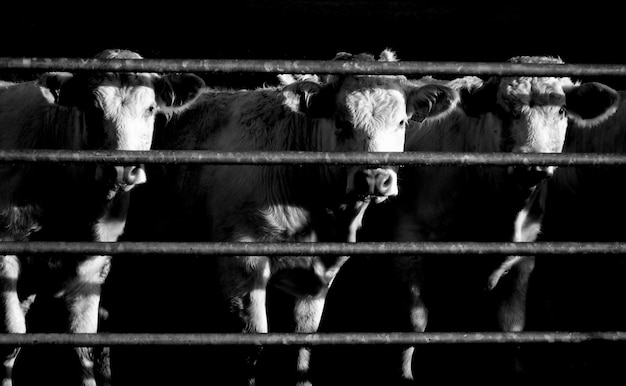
<point>531,175</point>
<point>129,176</point>
<point>378,183</point>
<point>120,177</point>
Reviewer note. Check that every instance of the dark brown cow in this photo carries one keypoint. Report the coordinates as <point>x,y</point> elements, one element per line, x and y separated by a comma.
<point>103,111</point>
<point>260,203</point>
<point>453,203</point>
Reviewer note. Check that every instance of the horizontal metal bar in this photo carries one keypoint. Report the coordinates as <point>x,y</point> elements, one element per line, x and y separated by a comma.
<point>301,157</point>
<point>396,338</point>
<point>306,249</point>
<point>311,66</point>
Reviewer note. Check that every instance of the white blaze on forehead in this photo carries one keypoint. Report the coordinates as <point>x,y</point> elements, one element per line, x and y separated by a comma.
<point>128,113</point>
<point>378,115</point>
<point>533,90</point>
<point>535,105</point>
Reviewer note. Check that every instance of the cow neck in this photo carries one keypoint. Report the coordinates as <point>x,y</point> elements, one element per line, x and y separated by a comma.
<point>462,203</point>
<point>317,185</point>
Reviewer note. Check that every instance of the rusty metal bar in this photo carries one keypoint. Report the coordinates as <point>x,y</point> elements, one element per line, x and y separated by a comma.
<point>311,66</point>
<point>306,249</point>
<point>302,158</point>
<point>396,338</point>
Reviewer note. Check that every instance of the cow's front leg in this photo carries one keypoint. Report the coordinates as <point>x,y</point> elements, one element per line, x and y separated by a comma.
<point>82,299</point>
<point>288,365</point>
<point>408,274</point>
<point>511,312</point>
<point>307,313</point>
<point>13,316</point>
<point>243,283</point>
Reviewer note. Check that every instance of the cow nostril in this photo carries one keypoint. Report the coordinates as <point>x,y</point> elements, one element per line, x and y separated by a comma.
<point>134,175</point>
<point>542,171</point>
<point>376,182</point>
<point>386,182</point>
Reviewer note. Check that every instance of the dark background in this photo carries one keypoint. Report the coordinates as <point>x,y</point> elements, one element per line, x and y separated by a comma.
<point>578,32</point>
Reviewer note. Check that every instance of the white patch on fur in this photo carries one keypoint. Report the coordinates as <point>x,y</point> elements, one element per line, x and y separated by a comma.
<point>257,310</point>
<point>387,55</point>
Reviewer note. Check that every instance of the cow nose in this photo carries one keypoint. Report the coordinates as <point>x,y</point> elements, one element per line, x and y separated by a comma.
<point>131,175</point>
<point>376,182</point>
<point>532,175</point>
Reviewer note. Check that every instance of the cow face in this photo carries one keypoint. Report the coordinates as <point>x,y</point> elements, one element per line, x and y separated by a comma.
<point>119,109</point>
<point>533,112</point>
<point>371,114</point>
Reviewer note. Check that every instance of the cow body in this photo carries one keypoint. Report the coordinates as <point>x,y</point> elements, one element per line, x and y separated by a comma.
<point>51,202</point>
<point>582,292</point>
<point>287,203</point>
<point>453,203</point>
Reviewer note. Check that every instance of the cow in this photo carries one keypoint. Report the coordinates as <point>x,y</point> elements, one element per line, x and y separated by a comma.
<point>582,292</point>
<point>276,203</point>
<point>448,293</point>
<point>71,202</point>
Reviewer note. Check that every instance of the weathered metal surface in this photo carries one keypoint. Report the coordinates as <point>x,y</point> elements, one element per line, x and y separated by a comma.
<point>304,249</point>
<point>299,157</point>
<point>311,66</point>
<point>189,339</point>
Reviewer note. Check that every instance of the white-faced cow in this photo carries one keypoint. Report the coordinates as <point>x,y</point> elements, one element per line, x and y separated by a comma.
<point>582,292</point>
<point>283,203</point>
<point>72,202</point>
<point>459,293</point>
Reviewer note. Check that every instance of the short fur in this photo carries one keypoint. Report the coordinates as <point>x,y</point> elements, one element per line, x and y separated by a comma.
<point>77,202</point>
<point>451,203</point>
<point>582,292</point>
<point>259,203</point>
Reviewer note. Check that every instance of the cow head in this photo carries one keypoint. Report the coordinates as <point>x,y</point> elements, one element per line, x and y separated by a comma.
<point>533,112</point>
<point>370,113</point>
<point>119,109</point>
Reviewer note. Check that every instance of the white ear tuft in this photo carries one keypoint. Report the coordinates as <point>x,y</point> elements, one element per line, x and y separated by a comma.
<point>388,56</point>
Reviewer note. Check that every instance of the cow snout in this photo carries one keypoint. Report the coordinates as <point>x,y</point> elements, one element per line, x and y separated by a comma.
<point>532,175</point>
<point>375,182</point>
<point>131,175</point>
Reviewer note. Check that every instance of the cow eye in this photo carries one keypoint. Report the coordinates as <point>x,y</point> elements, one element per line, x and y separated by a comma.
<point>151,110</point>
<point>562,110</point>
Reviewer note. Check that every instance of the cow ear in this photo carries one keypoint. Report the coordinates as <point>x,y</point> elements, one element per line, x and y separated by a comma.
<point>310,98</point>
<point>431,101</point>
<point>177,91</point>
<point>55,81</point>
<point>478,98</point>
<point>588,104</point>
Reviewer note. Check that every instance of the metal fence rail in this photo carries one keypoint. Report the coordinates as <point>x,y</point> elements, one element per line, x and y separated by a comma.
<point>396,338</point>
<point>306,158</point>
<point>311,67</point>
<point>304,249</point>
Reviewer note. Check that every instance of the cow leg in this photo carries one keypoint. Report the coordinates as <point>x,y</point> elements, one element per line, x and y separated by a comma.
<point>288,365</point>
<point>13,320</point>
<point>243,283</point>
<point>511,312</point>
<point>82,299</point>
<point>308,313</point>
<point>407,270</point>
<point>418,315</point>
